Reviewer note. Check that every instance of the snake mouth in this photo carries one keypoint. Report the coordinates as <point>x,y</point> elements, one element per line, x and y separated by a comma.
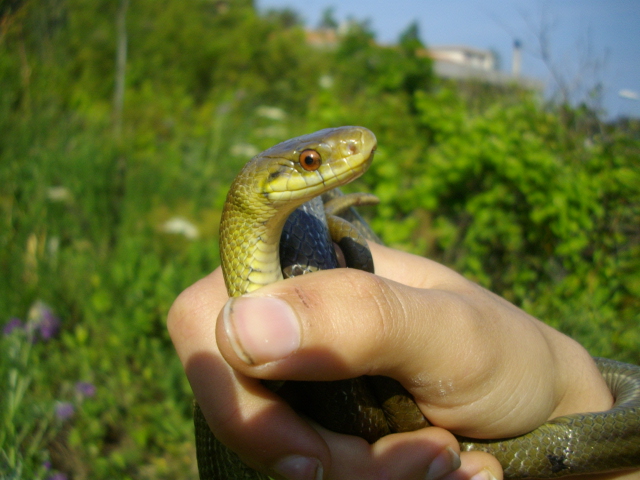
<point>336,174</point>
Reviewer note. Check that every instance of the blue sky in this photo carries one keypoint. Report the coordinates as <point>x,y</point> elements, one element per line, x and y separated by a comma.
<point>581,32</point>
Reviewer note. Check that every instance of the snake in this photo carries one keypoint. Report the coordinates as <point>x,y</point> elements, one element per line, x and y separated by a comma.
<point>280,189</point>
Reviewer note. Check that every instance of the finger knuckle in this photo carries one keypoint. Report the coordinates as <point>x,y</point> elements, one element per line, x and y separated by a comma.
<point>379,305</point>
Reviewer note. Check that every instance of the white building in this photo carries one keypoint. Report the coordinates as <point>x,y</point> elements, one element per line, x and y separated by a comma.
<point>467,63</point>
<point>462,55</point>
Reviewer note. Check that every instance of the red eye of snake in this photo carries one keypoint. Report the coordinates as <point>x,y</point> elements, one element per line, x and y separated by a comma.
<point>310,160</point>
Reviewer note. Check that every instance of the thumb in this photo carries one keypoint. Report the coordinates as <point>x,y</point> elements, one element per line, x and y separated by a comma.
<point>340,324</point>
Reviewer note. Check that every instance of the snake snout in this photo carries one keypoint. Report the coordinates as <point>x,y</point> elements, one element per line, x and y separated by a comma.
<point>369,140</point>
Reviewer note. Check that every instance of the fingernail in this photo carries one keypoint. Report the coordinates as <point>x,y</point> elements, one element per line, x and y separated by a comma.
<point>484,475</point>
<point>261,329</point>
<point>446,462</point>
<point>297,467</point>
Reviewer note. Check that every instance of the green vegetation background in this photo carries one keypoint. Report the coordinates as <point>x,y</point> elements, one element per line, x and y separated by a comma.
<point>539,203</point>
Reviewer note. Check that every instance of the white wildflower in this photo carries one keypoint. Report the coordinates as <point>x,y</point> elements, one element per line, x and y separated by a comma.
<point>272,113</point>
<point>244,150</point>
<point>181,226</point>
<point>58,194</point>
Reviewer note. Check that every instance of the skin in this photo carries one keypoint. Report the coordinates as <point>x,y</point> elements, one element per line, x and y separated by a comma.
<point>476,365</point>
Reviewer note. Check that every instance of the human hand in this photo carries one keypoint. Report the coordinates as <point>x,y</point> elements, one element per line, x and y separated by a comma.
<point>460,350</point>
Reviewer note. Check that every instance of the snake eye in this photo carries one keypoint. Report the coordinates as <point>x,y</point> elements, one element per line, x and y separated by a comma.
<point>310,160</point>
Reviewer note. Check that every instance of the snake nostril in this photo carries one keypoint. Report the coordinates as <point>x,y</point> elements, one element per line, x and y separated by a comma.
<point>352,147</point>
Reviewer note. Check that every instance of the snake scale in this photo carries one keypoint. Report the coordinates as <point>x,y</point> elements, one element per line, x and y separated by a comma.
<point>270,188</point>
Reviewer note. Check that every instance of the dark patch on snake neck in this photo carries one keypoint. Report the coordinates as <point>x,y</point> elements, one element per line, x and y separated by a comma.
<point>557,463</point>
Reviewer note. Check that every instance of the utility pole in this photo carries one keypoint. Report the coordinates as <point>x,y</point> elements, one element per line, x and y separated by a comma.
<point>516,61</point>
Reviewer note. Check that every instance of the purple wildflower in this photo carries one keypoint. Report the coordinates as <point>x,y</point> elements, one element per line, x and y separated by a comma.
<point>86,389</point>
<point>46,465</point>
<point>49,324</point>
<point>65,410</point>
<point>42,322</point>
<point>11,325</point>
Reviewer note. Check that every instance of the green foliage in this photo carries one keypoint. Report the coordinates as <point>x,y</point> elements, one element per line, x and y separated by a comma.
<point>541,206</point>
<point>386,69</point>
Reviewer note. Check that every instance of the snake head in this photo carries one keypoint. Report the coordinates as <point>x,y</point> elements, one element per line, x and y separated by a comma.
<point>294,171</point>
<point>271,186</point>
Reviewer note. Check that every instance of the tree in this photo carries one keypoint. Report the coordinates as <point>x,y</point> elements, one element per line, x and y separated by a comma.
<point>328,20</point>
<point>409,39</point>
<point>121,66</point>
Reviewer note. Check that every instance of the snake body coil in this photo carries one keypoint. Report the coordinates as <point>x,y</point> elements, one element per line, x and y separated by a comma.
<point>265,193</point>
